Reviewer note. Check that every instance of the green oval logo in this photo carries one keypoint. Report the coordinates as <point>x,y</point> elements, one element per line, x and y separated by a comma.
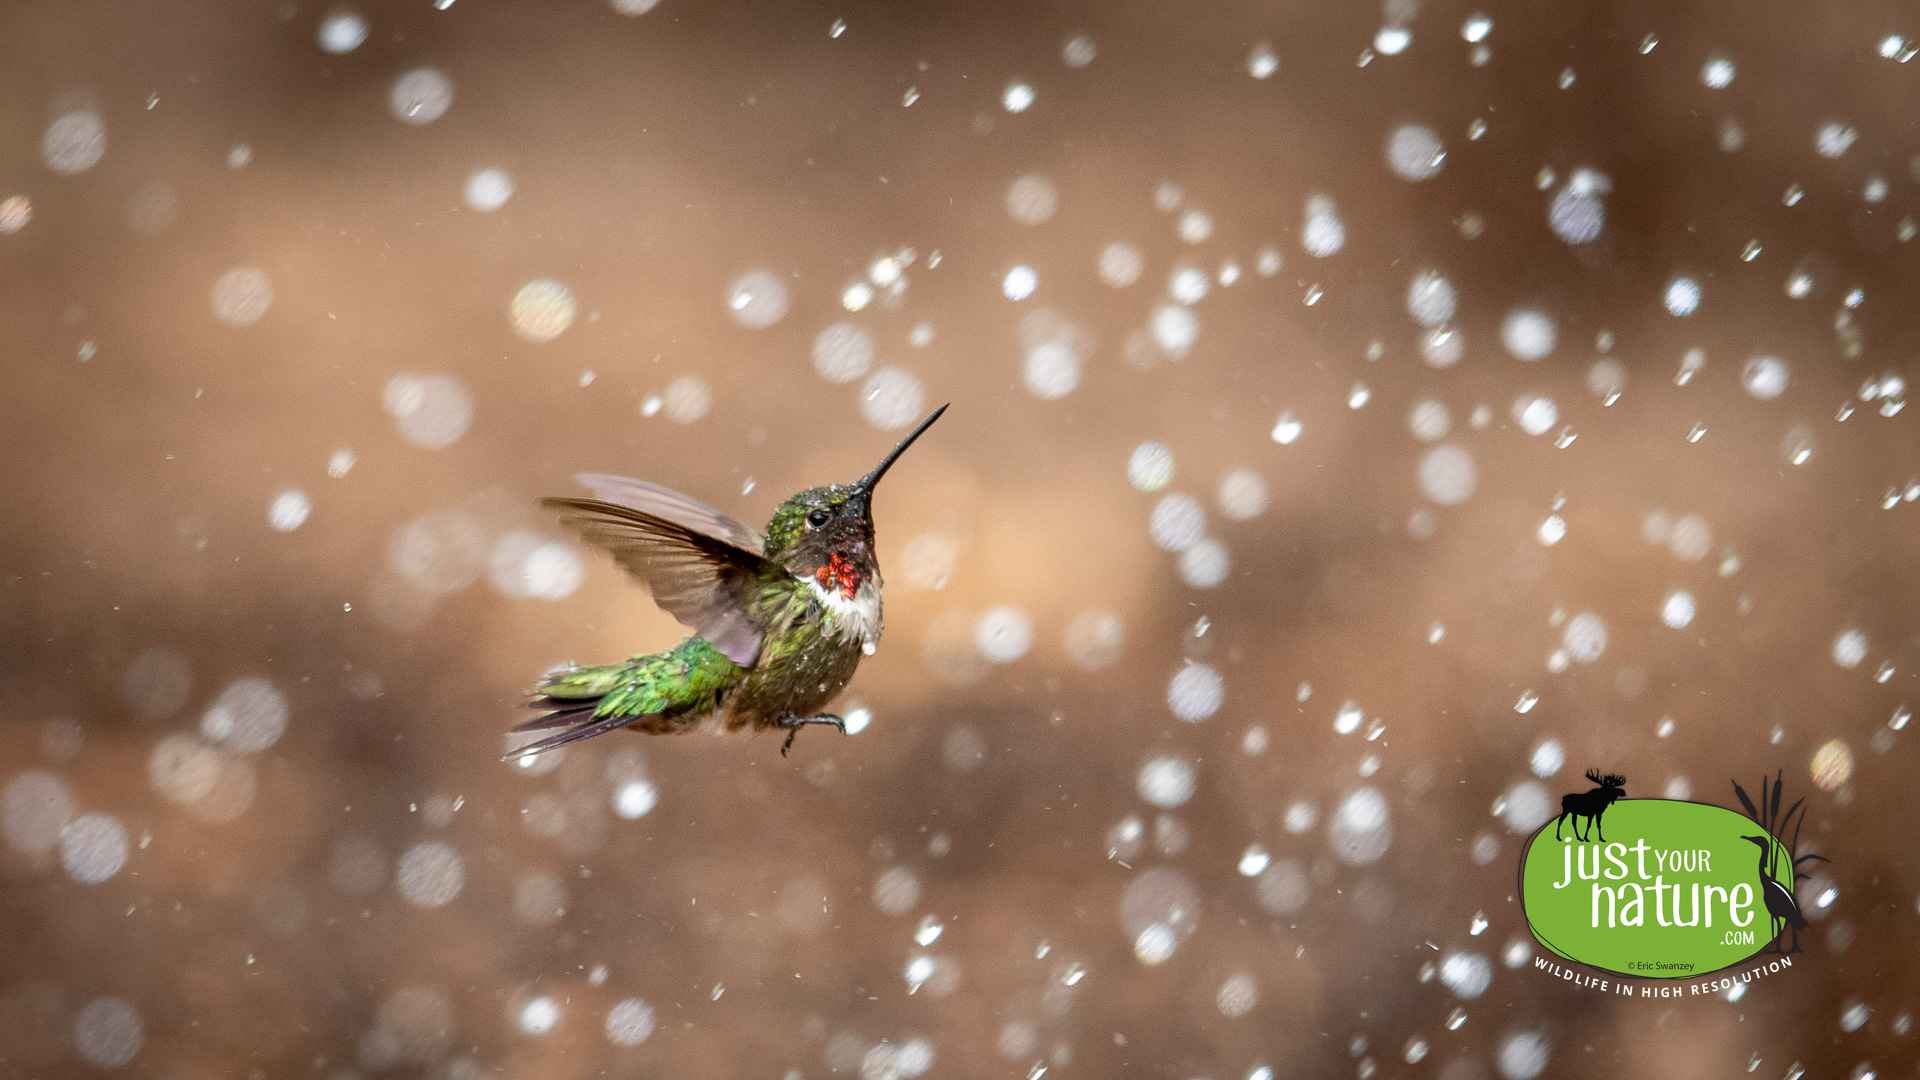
<point>1675,889</point>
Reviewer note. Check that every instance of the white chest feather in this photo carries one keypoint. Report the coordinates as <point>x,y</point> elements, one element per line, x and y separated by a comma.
<point>856,618</point>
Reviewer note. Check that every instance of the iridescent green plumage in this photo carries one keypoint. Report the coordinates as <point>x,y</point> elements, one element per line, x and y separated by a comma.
<point>664,687</point>
<point>781,621</point>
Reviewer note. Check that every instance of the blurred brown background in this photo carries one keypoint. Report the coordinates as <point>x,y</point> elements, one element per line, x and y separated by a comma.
<point>295,335</point>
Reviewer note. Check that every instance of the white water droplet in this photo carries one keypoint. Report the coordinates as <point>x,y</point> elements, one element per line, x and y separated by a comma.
<point>1678,609</point>
<point>1254,861</point>
<point>289,510</point>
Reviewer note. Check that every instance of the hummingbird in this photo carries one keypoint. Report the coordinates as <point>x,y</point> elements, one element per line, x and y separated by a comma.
<point>780,621</point>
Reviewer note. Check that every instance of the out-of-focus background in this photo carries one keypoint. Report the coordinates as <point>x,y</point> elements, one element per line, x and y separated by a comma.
<point>1364,422</point>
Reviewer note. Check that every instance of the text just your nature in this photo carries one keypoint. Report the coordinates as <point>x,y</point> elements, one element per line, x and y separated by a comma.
<point>1626,903</point>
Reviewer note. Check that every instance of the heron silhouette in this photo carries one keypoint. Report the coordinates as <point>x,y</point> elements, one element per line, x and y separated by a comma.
<point>1783,910</point>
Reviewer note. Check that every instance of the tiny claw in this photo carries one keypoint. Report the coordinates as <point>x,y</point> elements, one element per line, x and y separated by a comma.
<point>793,724</point>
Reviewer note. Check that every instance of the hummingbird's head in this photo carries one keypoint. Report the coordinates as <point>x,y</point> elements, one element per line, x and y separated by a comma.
<point>826,533</point>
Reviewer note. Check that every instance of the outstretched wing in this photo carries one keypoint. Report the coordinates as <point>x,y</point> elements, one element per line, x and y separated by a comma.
<point>704,581</point>
<point>670,505</point>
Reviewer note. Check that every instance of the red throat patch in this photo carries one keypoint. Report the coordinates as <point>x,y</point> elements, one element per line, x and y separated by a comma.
<point>840,573</point>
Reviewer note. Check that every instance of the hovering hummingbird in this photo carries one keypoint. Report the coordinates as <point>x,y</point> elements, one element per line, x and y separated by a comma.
<point>779,621</point>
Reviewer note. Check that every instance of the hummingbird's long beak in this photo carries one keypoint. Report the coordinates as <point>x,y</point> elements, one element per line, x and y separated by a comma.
<point>863,487</point>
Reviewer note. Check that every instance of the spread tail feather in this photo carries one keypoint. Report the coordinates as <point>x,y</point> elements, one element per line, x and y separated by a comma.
<point>656,692</point>
<point>586,727</point>
<point>563,713</point>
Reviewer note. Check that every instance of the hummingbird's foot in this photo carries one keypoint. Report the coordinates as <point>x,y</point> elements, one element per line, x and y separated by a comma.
<point>793,724</point>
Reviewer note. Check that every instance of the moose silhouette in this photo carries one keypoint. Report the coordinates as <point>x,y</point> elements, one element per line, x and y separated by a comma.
<point>1591,804</point>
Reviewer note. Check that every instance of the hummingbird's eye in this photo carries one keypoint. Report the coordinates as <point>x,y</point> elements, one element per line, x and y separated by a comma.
<point>818,519</point>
